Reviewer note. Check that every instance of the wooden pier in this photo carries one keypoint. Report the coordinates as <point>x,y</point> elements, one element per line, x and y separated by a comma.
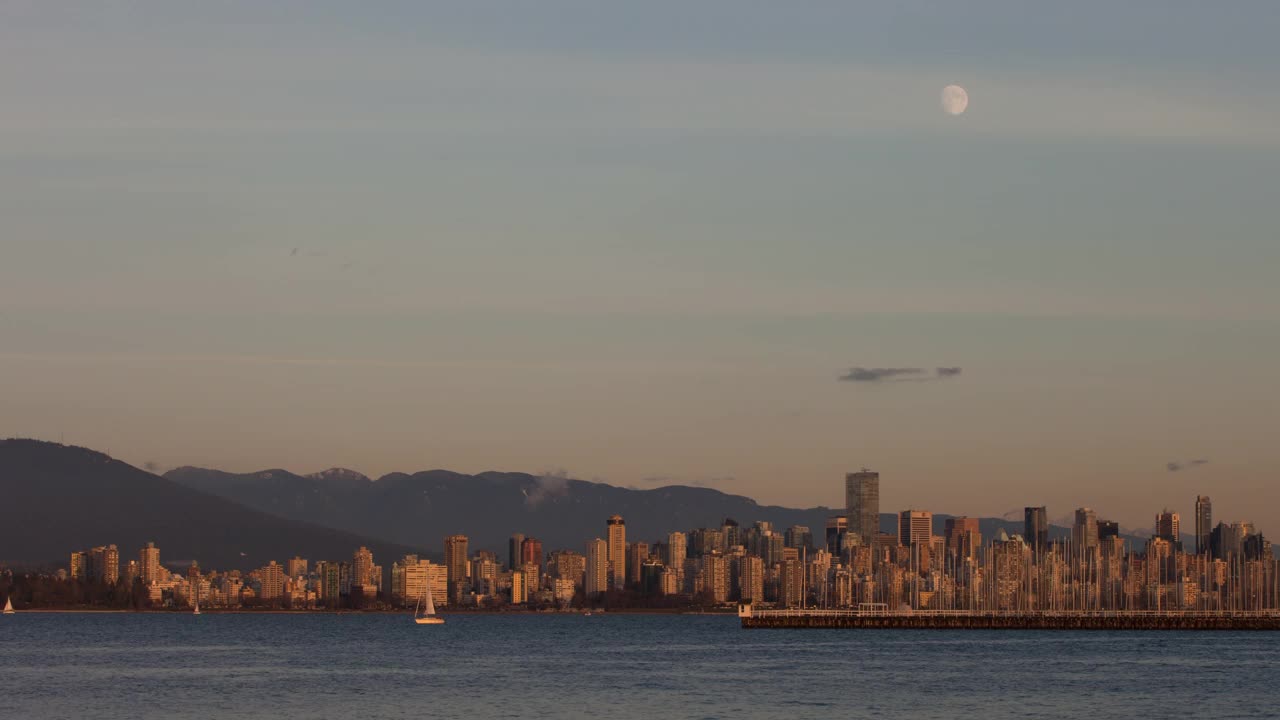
<point>966,620</point>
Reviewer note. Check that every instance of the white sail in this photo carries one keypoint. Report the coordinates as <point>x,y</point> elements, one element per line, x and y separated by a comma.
<point>8,606</point>
<point>428,613</point>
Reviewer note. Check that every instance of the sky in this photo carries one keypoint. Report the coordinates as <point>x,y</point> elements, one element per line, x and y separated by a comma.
<point>650,243</point>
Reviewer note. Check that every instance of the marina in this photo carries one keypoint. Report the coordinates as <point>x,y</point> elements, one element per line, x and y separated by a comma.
<point>879,619</point>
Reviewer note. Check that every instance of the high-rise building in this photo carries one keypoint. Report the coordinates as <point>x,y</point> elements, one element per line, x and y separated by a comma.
<point>1035,528</point>
<point>1084,533</point>
<point>76,566</point>
<point>362,568</point>
<point>131,573</point>
<point>731,533</point>
<point>915,527</point>
<point>596,576</point>
<point>1204,523</point>
<point>791,583</point>
<point>676,553</point>
<point>149,563</point>
<point>519,587</point>
<point>1168,525</point>
<point>617,551</point>
<point>715,570</point>
<point>862,504</point>
<point>514,547</point>
<point>531,552</point>
<point>751,579</point>
<point>837,528</point>
<point>962,537</point>
<point>799,537</point>
<point>272,581</point>
<point>455,563</point>
<point>637,555</point>
<point>1108,529</point>
<point>568,565</point>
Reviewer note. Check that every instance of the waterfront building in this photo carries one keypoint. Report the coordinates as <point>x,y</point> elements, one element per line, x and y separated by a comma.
<point>650,580</point>
<point>676,554</point>
<point>791,584</point>
<point>362,568</point>
<point>568,565</point>
<point>715,572</point>
<point>670,581</point>
<point>76,568</point>
<point>131,573</point>
<point>149,563</point>
<point>637,555</point>
<point>596,575</point>
<point>519,588</point>
<point>456,566</point>
<point>862,504</point>
<point>484,574</point>
<point>531,552</point>
<point>297,567</point>
<point>271,581</point>
<point>1204,524</point>
<point>617,548</point>
<point>515,548</point>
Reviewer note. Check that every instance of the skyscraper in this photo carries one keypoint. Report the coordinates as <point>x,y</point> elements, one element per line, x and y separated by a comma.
<point>1035,528</point>
<point>455,562</point>
<point>531,552</point>
<point>637,554</point>
<point>963,536</point>
<point>837,528</point>
<point>514,547</point>
<point>1084,534</point>
<point>1168,525</point>
<point>362,568</point>
<point>862,504</point>
<point>596,577</point>
<point>617,551</point>
<point>272,582</point>
<point>677,551</point>
<point>149,563</point>
<point>297,567</point>
<point>915,527</point>
<point>1204,523</point>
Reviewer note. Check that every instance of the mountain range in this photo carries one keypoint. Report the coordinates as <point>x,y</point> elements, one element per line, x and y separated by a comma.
<point>58,499</point>
<point>67,498</point>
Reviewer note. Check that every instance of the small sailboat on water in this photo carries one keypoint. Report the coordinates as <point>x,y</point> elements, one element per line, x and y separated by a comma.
<point>424,613</point>
<point>8,606</point>
<point>196,610</point>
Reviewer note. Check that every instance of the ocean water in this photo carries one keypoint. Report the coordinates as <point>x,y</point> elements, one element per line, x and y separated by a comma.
<point>177,666</point>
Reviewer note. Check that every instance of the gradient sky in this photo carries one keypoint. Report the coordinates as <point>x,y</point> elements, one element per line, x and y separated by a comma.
<point>641,242</point>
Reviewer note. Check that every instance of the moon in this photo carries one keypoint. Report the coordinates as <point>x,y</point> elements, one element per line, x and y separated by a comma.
<point>954,100</point>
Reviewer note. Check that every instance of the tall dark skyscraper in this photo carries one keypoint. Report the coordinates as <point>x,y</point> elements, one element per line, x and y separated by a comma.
<point>514,549</point>
<point>1035,528</point>
<point>862,504</point>
<point>1204,523</point>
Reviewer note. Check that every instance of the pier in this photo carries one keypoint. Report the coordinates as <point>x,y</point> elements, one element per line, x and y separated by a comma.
<point>968,620</point>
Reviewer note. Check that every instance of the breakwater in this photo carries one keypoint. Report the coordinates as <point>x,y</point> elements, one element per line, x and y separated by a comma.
<point>961,620</point>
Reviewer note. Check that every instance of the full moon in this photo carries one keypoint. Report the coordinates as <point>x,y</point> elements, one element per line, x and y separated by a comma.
<point>954,99</point>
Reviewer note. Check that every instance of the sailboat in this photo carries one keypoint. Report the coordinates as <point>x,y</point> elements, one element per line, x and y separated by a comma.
<point>426,615</point>
<point>196,611</point>
<point>8,606</point>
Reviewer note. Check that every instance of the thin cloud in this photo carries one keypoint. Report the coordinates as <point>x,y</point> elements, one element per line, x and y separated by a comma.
<point>1176,466</point>
<point>898,374</point>
<point>548,485</point>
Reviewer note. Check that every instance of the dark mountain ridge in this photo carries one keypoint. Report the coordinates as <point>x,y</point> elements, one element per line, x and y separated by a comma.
<point>421,508</point>
<point>57,499</point>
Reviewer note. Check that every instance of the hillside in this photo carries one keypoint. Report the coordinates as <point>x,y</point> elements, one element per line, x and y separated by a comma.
<point>58,499</point>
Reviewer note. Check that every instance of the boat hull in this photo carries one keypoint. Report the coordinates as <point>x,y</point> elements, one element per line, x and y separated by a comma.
<point>429,621</point>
